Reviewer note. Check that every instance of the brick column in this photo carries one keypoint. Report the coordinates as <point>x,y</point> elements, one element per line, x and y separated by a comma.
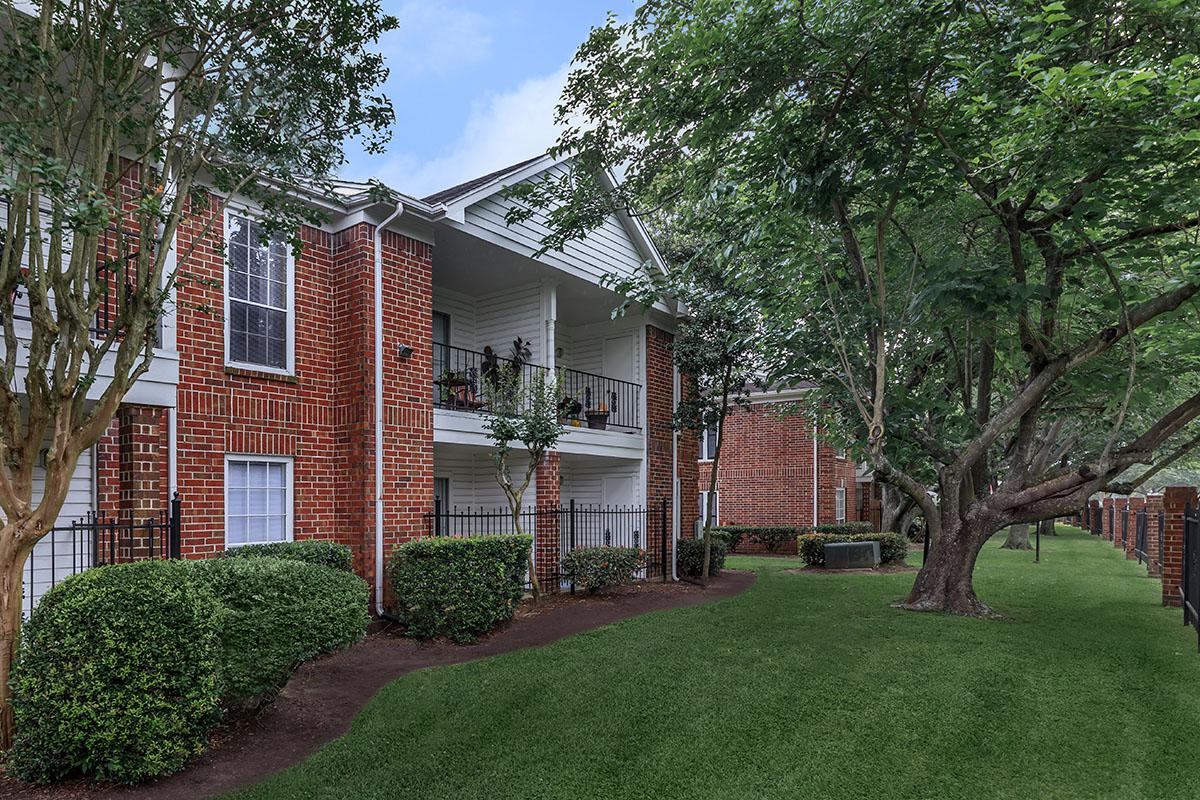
<point>1136,504</point>
<point>1154,504</point>
<point>1093,511</point>
<point>1106,518</point>
<point>139,439</point>
<point>1174,500</point>
<point>1119,507</point>
<point>660,413</point>
<point>546,537</point>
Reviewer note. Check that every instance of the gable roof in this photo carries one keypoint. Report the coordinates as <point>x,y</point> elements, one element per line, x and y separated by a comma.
<point>467,187</point>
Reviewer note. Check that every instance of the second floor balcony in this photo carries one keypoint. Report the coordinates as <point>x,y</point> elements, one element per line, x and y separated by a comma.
<point>470,381</point>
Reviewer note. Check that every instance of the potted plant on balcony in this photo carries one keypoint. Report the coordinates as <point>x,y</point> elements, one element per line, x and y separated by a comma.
<point>568,410</point>
<point>458,388</point>
<point>598,417</point>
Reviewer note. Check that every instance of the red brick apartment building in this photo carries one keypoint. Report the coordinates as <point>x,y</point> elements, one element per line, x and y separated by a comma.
<point>774,471</point>
<point>286,402</point>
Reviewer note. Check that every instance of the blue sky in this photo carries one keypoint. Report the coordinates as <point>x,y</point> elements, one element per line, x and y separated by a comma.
<point>474,85</point>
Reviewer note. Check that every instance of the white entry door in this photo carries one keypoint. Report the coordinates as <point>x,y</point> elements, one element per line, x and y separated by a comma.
<point>618,357</point>
<point>60,554</point>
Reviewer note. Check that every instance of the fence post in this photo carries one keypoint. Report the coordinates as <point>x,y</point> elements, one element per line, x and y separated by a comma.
<point>1175,500</point>
<point>175,543</point>
<point>571,537</point>
<point>664,540</point>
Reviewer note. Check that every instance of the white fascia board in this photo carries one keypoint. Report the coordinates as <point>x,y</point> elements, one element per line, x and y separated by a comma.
<point>467,428</point>
<point>781,396</point>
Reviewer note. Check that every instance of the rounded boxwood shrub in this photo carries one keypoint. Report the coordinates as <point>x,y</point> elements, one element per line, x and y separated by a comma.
<point>596,568</point>
<point>460,588</point>
<point>893,548</point>
<point>116,675</point>
<point>312,551</point>
<point>691,557</point>
<point>277,614</point>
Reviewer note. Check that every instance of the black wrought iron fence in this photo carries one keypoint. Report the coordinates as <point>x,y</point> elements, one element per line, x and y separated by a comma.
<point>1112,523</point>
<point>1125,526</point>
<point>1189,591</point>
<point>1097,523</point>
<point>575,526</point>
<point>1162,521</point>
<point>96,540</point>
<point>1139,543</point>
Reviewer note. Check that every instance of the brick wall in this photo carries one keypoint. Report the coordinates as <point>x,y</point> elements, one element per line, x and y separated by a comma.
<point>1154,504</point>
<point>660,433</point>
<point>321,415</point>
<point>1175,499</point>
<point>546,540</point>
<point>766,472</point>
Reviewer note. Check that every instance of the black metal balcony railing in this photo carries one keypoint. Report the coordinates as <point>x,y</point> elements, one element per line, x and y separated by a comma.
<point>463,381</point>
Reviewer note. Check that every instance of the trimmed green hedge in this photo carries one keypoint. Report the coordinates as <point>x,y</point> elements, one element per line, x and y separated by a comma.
<point>690,557</point>
<point>311,551</point>
<point>596,568</point>
<point>842,528</point>
<point>278,613</point>
<point>460,588</point>
<point>116,675</point>
<point>773,537</point>
<point>893,548</point>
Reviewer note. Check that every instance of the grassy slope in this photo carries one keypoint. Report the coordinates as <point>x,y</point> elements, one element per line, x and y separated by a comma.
<point>810,686</point>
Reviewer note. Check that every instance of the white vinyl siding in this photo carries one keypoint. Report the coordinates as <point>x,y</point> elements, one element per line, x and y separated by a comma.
<point>606,250</point>
<point>259,302</point>
<point>470,480</point>
<point>59,554</point>
<point>502,317</point>
<point>583,480</point>
<point>258,499</point>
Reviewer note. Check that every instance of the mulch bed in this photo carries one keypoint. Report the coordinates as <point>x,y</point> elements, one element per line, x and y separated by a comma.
<point>324,696</point>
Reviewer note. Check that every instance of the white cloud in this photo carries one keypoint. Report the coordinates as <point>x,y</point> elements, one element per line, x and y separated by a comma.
<point>434,39</point>
<point>502,129</point>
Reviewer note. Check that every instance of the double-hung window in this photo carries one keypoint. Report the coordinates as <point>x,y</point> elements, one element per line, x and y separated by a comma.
<point>708,443</point>
<point>258,499</point>
<point>839,504</point>
<point>716,508</point>
<point>259,296</point>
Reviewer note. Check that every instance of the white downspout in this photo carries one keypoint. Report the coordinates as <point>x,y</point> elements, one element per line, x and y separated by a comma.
<point>379,406</point>
<point>173,455</point>
<point>676,511</point>
<point>815,483</point>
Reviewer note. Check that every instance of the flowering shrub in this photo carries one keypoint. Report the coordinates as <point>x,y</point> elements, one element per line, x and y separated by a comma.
<point>596,568</point>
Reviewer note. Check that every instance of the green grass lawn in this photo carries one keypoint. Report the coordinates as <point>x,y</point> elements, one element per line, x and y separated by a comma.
<point>811,686</point>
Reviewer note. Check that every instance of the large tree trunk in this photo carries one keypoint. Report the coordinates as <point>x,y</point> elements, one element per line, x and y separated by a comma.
<point>944,582</point>
<point>11,565</point>
<point>1018,537</point>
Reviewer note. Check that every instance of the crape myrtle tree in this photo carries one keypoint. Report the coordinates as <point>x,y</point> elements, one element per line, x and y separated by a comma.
<point>522,411</point>
<point>115,119</point>
<point>974,227</point>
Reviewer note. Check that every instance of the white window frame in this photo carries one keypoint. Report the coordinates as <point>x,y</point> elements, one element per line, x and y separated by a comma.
<point>705,455</point>
<point>231,211</point>
<point>839,504</point>
<point>704,507</point>
<point>839,453</point>
<point>289,492</point>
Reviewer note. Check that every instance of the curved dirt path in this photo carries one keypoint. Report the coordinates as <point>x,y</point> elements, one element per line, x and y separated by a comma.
<point>324,696</point>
